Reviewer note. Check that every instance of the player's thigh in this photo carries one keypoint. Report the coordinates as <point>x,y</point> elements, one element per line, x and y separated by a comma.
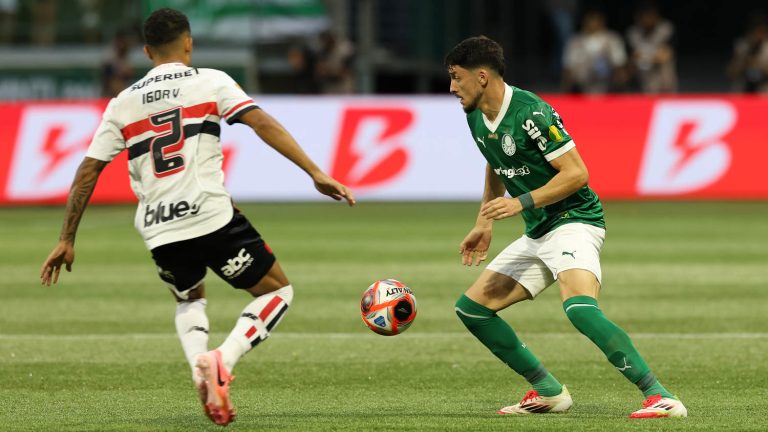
<point>239,255</point>
<point>578,282</point>
<point>520,263</point>
<point>496,291</point>
<point>182,269</point>
<point>572,254</point>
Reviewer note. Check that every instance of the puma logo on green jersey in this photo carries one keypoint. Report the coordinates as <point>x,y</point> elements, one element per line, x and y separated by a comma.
<point>571,254</point>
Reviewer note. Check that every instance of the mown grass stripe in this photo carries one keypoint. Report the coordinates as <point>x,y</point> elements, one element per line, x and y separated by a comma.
<point>350,335</point>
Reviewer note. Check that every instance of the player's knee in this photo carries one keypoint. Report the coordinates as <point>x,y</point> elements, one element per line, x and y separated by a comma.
<point>190,295</point>
<point>272,281</point>
<point>285,293</point>
<point>191,306</point>
<point>580,317</point>
<point>457,306</point>
<point>582,311</point>
<point>470,312</point>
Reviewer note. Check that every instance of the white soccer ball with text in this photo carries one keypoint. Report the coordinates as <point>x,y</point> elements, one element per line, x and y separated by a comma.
<point>388,307</point>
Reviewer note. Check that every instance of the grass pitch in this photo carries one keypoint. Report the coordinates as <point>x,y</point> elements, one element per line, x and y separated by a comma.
<point>98,352</point>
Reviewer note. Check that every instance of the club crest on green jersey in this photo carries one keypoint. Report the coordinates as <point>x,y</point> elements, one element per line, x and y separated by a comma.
<point>508,144</point>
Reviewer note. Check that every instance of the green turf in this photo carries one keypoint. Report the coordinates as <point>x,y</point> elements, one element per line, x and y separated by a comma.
<point>98,352</point>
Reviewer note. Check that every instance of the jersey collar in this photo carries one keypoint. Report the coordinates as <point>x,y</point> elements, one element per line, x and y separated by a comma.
<point>165,65</point>
<point>492,126</point>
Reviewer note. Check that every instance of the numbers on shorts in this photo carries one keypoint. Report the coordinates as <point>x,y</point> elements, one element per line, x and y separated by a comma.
<point>164,148</point>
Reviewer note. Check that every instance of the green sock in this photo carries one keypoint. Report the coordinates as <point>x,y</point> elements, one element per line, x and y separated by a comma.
<point>649,385</point>
<point>499,337</point>
<point>613,342</point>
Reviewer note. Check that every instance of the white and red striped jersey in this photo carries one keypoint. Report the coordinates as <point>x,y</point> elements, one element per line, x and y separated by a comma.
<point>169,123</point>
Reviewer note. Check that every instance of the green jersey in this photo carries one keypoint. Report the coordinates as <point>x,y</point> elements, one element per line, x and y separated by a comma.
<point>519,144</point>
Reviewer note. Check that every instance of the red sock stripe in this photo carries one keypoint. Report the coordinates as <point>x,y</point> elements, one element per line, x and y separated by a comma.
<point>269,308</point>
<point>251,331</point>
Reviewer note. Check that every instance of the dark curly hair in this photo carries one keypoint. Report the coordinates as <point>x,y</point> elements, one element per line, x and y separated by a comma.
<point>475,52</point>
<point>163,26</point>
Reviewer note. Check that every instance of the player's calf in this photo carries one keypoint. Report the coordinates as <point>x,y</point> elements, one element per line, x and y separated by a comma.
<point>614,342</point>
<point>255,324</point>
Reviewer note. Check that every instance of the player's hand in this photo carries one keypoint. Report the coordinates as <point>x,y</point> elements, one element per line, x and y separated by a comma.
<point>501,208</point>
<point>62,254</point>
<point>474,248</point>
<point>326,185</point>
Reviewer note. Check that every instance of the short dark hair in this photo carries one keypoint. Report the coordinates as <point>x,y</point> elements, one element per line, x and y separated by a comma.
<point>475,52</point>
<point>163,26</point>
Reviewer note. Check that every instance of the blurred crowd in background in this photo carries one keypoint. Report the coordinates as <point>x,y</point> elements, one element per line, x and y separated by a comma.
<point>86,48</point>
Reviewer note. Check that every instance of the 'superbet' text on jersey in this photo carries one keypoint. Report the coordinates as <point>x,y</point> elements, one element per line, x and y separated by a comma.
<point>519,144</point>
<point>169,123</point>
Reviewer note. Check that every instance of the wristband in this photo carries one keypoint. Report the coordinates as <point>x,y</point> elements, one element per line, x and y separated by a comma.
<point>526,200</point>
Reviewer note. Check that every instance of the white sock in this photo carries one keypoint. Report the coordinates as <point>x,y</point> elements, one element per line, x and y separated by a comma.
<point>192,328</point>
<point>255,324</point>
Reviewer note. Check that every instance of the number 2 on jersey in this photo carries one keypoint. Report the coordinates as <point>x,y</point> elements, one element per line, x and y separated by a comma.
<point>167,143</point>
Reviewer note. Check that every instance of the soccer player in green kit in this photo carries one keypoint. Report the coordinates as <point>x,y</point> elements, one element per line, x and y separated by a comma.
<point>532,156</point>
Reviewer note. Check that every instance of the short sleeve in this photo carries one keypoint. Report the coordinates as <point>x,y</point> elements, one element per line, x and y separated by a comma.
<point>108,140</point>
<point>232,101</point>
<point>545,128</point>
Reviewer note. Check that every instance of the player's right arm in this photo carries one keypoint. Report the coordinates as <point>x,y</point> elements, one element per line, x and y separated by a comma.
<point>238,107</point>
<point>277,137</point>
<point>79,194</point>
<point>475,246</point>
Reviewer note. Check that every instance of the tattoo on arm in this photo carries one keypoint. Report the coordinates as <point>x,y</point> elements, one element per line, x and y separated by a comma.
<point>82,187</point>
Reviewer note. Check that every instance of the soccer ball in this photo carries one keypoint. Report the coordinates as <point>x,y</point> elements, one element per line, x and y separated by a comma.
<point>388,307</point>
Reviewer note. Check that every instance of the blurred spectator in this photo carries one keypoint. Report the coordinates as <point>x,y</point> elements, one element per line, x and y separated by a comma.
<point>302,62</point>
<point>333,68</point>
<point>748,69</point>
<point>43,28</point>
<point>8,9</point>
<point>90,18</point>
<point>652,56</point>
<point>595,58</point>
<point>116,70</point>
<point>562,15</point>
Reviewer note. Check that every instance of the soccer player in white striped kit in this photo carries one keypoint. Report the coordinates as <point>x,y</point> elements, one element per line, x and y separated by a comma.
<point>169,123</point>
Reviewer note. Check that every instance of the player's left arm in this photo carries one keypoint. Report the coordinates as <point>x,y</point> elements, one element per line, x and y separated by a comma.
<point>63,253</point>
<point>277,137</point>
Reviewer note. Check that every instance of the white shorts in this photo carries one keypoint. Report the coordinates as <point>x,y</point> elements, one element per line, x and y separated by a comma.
<point>535,263</point>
